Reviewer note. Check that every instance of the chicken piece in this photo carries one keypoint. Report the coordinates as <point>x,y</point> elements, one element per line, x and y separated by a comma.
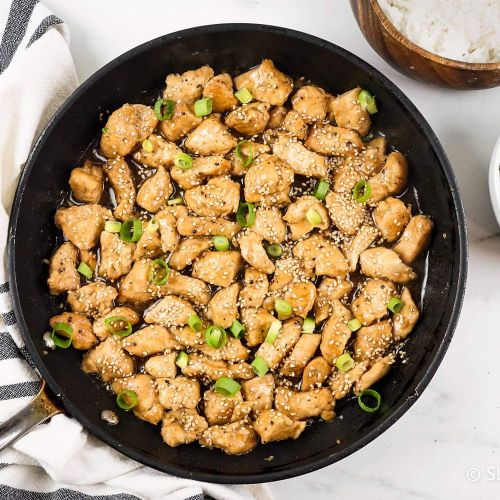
<point>218,197</point>
<point>219,409</point>
<point>182,426</point>
<point>301,354</point>
<point>210,137</point>
<point>328,290</point>
<point>187,251</point>
<point>127,127</point>
<point>203,367</point>
<point>235,438</point>
<point>189,225</point>
<point>295,125</point>
<point>305,404</point>
<point>241,370</point>
<point>116,256</point>
<point>256,323</point>
<point>90,258</point>
<point>167,219</point>
<point>92,300</point>
<point>121,180</point>
<point>179,392</point>
<point>171,312</point>
<point>203,167</point>
<point>346,213</point>
<point>391,180</point>
<point>150,340</point>
<point>63,275</point>
<point>187,87</point>
<point>87,183</point>
<point>260,392</point>
<point>370,304</point>
<point>380,262</point>
<point>342,382</point>
<point>162,154</point>
<point>109,360</point>
<point>301,295</point>
<point>311,103</point>
<point>101,330</point>
<point>369,161</point>
<point>148,407</point>
<point>223,307</point>
<point>188,337</point>
<point>135,287</point>
<point>220,90</point>
<point>404,321</point>
<point>334,141</point>
<point>296,216</point>
<point>315,373</point>
<point>266,83</point>
<point>155,191</point>
<point>82,224</point>
<point>288,269</point>
<point>415,238</point>
<point>287,337</point>
<point>277,116</point>
<point>83,338</point>
<point>346,175</point>
<point>249,119</point>
<point>272,425</point>
<point>148,246</point>
<point>182,122</point>
<point>322,256</point>
<point>233,350</point>
<point>253,252</point>
<point>348,113</point>
<point>372,341</point>
<point>300,159</point>
<point>255,288</point>
<point>391,217</point>
<point>335,333</point>
<point>269,224</point>
<point>378,370</point>
<point>359,243</point>
<point>162,365</point>
<point>247,148</point>
<point>218,268</point>
<point>187,287</point>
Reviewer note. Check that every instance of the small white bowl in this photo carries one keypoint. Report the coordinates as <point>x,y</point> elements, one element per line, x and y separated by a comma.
<point>494,180</point>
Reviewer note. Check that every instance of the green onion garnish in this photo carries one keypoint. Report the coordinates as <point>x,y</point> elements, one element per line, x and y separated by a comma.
<point>194,322</point>
<point>245,160</point>
<point>168,109</point>
<point>147,145</point>
<point>367,102</point>
<point>362,191</point>
<point>226,386</point>
<point>118,325</point>
<point>273,331</point>
<point>183,161</point>
<point>373,394</point>
<point>182,360</point>
<point>104,130</point>
<point>112,226</point>
<point>152,226</point>
<point>175,201</point>
<point>127,399</point>
<point>283,308</point>
<point>321,189</point>
<point>243,95</point>
<point>309,325</point>
<point>344,362</point>
<point>395,305</point>
<point>237,329</point>
<point>259,366</point>
<point>131,231</point>
<point>215,336</point>
<point>85,270</point>
<point>159,273</point>
<point>274,250</point>
<point>354,324</point>
<point>203,107</point>
<point>313,217</point>
<point>245,216</point>
<point>62,335</point>
<point>221,243</point>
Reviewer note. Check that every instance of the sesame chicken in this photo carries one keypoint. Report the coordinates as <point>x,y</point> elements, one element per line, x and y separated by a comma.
<point>89,257</point>
<point>210,137</point>
<point>377,370</point>
<point>135,287</point>
<point>187,87</point>
<point>305,404</point>
<point>187,251</point>
<point>277,116</point>
<point>269,224</point>
<point>252,250</point>
<point>203,168</point>
<point>116,256</point>
<point>63,275</point>
<point>315,373</point>
<point>233,350</point>
<point>155,191</point>
<point>272,425</point>
<point>220,89</point>
<point>249,119</point>
<point>120,178</point>
<point>219,409</point>
<point>295,125</point>
<point>341,383</point>
<point>311,103</point>
<point>186,287</point>
<point>391,217</point>
<point>381,262</point>
<point>371,301</point>
<point>256,323</point>
<point>223,306</point>
<point>218,268</point>
<point>101,329</point>
<point>333,141</point>
<point>255,288</point>
<point>415,238</point>
<point>298,213</point>
<point>301,354</point>
<point>179,392</point>
<point>259,391</point>
<point>189,225</point>
<point>345,212</point>
<point>235,438</point>
<point>182,427</point>
<point>92,300</point>
<point>83,337</point>
<point>328,290</point>
<point>372,341</point>
<point>152,339</point>
<point>391,180</point>
<point>182,122</point>
<point>347,112</point>
<point>171,312</point>
<point>162,365</point>
<point>87,183</point>
<point>162,154</point>
<point>167,220</point>
<point>404,321</point>
<point>301,295</point>
<point>354,246</point>
<point>148,246</point>
<point>336,333</point>
<point>247,149</point>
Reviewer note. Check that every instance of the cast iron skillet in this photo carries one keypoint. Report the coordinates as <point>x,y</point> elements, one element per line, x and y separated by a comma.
<point>137,76</point>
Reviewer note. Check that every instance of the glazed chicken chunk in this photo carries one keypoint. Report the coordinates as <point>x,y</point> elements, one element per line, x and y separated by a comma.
<point>210,137</point>
<point>220,90</point>
<point>380,262</point>
<point>120,178</point>
<point>218,268</point>
<point>391,217</point>
<point>414,239</point>
<point>63,275</point>
<point>272,425</point>
<point>234,439</point>
<point>87,183</point>
<point>187,87</point>
<point>155,191</point>
<point>204,167</point>
<point>348,113</point>
<point>300,213</point>
<point>159,153</point>
<point>93,300</point>
<point>311,102</point>
<point>182,427</point>
<point>83,337</point>
<point>182,122</point>
<point>249,119</point>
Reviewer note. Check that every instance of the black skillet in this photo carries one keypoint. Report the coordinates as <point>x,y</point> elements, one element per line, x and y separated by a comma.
<point>137,76</point>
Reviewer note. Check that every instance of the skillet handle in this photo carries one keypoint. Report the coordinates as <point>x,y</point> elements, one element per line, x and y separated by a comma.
<point>38,410</point>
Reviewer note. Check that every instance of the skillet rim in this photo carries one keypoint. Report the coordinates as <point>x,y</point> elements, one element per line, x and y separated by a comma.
<point>462,263</point>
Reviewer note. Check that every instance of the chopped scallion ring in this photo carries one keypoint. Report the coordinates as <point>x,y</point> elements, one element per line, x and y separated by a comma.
<point>62,335</point>
<point>354,324</point>
<point>175,201</point>
<point>243,95</point>
<point>237,329</point>
<point>321,189</point>
<point>273,331</point>
<point>152,226</point>
<point>245,160</point>
<point>85,270</point>
<point>362,191</point>
<point>215,336</point>
<point>159,273</point>
<point>182,360</point>
<point>203,107</point>
<point>221,243</point>
<point>226,386</point>
<point>245,216</point>
<point>372,393</point>
<point>259,366</point>
<point>367,102</point>
<point>104,130</point>
<point>112,226</point>
<point>283,308</point>
<point>194,322</point>
<point>344,362</point>
<point>183,161</point>
<point>131,231</point>
<point>309,325</point>
<point>147,145</point>
<point>127,399</point>
<point>118,325</point>
<point>164,109</point>
<point>395,305</point>
<point>313,217</point>
<point>274,250</point>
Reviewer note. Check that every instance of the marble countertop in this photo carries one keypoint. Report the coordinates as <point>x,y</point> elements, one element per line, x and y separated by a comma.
<point>447,445</point>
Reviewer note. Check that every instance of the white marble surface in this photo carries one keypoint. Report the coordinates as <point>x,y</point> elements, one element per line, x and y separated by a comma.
<point>452,430</point>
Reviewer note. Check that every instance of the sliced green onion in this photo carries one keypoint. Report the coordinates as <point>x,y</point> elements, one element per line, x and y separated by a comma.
<point>367,102</point>
<point>147,145</point>
<point>215,336</point>
<point>62,335</point>
<point>131,231</point>
<point>104,130</point>
<point>237,329</point>
<point>274,250</point>
<point>395,305</point>
<point>118,325</point>
<point>221,243</point>
<point>159,272</point>
<point>112,226</point>
<point>354,324</point>
<point>373,394</point>
<point>313,217</point>
<point>182,360</point>
<point>175,201</point>
<point>127,399</point>
<point>309,325</point>
<point>243,95</point>
<point>85,270</point>
<point>152,226</point>
<point>273,331</point>
<point>183,161</point>
<point>344,362</point>
<point>168,109</point>
<point>283,308</point>
<point>321,189</point>
<point>362,191</point>
<point>259,366</point>
<point>245,216</point>
<point>203,107</point>
<point>245,160</point>
<point>194,322</point>
<point>226,386</point>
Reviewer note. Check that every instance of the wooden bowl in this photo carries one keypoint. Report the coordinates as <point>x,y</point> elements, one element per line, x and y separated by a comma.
<point>416,62</point>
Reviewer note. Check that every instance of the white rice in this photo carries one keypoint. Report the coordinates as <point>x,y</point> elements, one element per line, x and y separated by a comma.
<point>464,30</point>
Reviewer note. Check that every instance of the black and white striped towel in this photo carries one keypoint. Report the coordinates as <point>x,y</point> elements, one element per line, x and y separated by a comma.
<point>58,460</point>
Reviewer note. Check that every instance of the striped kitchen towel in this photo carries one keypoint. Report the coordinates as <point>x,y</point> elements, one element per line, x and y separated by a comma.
<point>57,460</point>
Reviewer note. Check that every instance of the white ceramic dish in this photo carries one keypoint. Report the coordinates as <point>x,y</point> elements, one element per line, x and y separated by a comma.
<point>494,180</point>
